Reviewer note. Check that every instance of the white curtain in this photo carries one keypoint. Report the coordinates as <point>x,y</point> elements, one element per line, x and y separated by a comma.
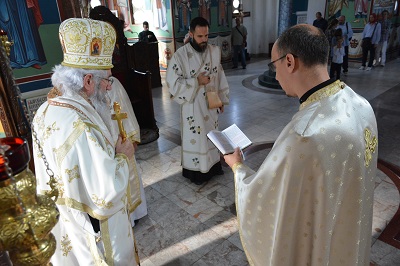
<point>262,25</point>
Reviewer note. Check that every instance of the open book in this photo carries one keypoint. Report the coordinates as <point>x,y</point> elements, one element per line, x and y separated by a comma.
<point>228,139</point>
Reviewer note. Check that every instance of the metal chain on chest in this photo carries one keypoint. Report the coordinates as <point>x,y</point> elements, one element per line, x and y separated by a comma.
<point>52,182</point>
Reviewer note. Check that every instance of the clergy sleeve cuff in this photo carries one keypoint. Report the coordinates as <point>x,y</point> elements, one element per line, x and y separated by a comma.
<point>122,156</point>
<point>236,166</point>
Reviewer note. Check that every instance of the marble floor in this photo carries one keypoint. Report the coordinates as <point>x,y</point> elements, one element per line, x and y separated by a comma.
<point>196,225</point>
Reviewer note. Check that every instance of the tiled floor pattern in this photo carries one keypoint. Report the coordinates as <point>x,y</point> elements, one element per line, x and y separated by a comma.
<point>196,225</point>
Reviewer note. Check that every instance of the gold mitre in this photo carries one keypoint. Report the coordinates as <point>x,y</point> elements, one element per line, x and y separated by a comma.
<point>87,43</point>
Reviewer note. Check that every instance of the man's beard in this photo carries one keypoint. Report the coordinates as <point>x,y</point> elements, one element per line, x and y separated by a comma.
<point>101,103</point>
<point>199,47</point>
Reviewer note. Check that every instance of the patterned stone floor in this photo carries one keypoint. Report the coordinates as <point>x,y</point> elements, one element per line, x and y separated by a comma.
<point>196,225</point>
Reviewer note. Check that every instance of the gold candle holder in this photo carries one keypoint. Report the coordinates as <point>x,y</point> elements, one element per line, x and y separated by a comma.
<point>26,218</point>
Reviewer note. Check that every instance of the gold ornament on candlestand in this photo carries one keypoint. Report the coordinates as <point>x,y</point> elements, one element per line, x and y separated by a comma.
<point>26,218</point>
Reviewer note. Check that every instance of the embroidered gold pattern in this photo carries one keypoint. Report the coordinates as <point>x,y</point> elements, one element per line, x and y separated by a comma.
<point>370,143</point>
<point>73,173</point>
<point>102,203</point>
<point>65,245</point>
<point>62,151</point>
<point>60,186</point>
<point>121,162</point>
<point>323,93</point>
<point>49,130</point>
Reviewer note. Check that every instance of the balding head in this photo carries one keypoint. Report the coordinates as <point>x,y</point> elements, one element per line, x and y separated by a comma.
<point>306,42</point>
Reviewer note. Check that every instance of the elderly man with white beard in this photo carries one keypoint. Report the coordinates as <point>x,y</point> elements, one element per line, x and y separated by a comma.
<point>75,133</point>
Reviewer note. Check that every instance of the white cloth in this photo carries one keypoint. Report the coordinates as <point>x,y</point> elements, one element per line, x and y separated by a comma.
<point>131,126</point>
<point>91,179</point>
<point>198,153</point>
<point>381,47</point>
<point>310,203</point>
<point>337,54</point>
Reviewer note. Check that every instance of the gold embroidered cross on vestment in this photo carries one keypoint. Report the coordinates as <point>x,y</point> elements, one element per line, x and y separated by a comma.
<point>370,143</point>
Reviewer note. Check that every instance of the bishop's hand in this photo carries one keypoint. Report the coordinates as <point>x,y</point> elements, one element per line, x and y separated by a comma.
<point>124,147</point>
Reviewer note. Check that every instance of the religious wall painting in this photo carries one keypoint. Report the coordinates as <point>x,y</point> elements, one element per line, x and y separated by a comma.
<point>36,47</point>
<point>225,43</point>
<point>218,13</point>
<point>378,6</point>
<point>204,10</point>
<point>21,20</point>
<point>156,12</point>
<point>356,11</point>
<point>183,15</point>
<point>222,13</point>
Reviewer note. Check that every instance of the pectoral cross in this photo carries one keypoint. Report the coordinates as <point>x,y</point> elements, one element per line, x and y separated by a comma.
<point>119,116</point>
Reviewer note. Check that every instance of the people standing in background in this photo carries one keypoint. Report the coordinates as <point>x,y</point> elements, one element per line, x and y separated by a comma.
<point>337,55</point>
<point>146,35</point>
<point>194,74</point>
<point>311,201</point>
<point>330,32</point>
<point>347,35</point>
<point>320,22</point>
<point>381,48</point>
<point>370,39</point>
<point>239,42</point>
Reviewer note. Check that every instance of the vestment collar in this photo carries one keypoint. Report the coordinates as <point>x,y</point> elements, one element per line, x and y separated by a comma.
<point>321,91</point>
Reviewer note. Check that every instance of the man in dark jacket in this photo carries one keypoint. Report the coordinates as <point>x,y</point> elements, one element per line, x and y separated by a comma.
<point>320,22</point>
<point>146,35</point>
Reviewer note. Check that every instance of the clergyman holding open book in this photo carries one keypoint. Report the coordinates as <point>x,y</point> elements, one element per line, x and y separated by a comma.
<point>197,82</point>
<point>310,202</point>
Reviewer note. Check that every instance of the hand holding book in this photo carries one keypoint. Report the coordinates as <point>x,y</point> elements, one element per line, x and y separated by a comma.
<point>228,139</point>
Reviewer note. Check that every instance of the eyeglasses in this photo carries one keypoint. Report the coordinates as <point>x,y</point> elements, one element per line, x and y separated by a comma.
<point>272,66</point>
<point>109,80</point>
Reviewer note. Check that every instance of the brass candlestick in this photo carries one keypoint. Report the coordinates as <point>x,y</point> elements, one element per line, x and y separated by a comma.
<point>26,218</point>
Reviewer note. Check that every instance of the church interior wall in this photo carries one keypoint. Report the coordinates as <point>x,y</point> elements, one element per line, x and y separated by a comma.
<point>262,26</point>
<point>359,17</point>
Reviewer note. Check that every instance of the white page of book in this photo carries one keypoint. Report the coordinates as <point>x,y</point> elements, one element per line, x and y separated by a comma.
<point>220,141</point>
<point>236,136</point>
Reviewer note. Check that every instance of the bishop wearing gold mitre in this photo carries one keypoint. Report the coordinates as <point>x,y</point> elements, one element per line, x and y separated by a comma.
<point>90,161</point>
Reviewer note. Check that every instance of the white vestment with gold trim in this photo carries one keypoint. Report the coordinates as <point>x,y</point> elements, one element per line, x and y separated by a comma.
<point>198,153</point>
<point>91,179</point>
<point>118,94</point>
<point>310,202</point>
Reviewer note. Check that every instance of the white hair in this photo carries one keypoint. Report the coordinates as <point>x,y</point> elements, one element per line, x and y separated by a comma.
<point>69,80</point>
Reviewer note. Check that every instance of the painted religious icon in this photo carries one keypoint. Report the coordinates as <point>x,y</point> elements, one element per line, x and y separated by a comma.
<point>21,20</point>
<point>184,14</point>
